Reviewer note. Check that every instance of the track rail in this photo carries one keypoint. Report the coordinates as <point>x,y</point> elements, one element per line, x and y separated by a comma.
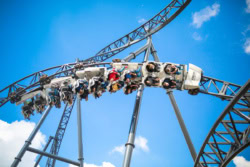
<point>222,89</point>
<point>164,17</point>
<point>230,133</point>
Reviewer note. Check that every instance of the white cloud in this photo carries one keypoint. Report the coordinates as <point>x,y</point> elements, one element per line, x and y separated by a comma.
<point>196,36</point>
<point>104,164</point>
<point>140,144</point>
<point>248,6</point>
<point>142,20</point>
<point>247,46</point>
<point>120,149</point>
<point>205,14</point>
<point>240,161</point>
<point>12,138</point>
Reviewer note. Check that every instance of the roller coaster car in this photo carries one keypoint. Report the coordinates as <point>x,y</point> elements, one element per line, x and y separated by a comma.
<point>14,97</point>
<point>39,99</point>
<point>56,82</point>
<point>30,95</point>
<point>168,76</point>
<point>90,72</point>
<point>193,78</point>
<point>28,108</point>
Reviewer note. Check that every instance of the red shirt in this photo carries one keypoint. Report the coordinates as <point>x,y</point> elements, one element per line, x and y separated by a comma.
<point>113,75</point>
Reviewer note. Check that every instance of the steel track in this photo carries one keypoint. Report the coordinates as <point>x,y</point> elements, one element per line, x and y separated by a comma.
<point>230,133</point>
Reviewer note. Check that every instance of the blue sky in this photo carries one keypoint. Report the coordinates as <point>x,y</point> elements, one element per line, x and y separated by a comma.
<point>36,35</point>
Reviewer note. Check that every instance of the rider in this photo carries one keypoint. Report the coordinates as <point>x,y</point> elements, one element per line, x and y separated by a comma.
<point>130,88</point>
<point>153,67</point>
<point>113,76</point>
<point>82,88</point>
<point>28,108</point>
<point>40,103</point>
<point>172,69</point>
<point>67,92</point>
<point>152,81</point>
<point>131,75</point>
<point>54,97</point>
<point>168,83</point>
